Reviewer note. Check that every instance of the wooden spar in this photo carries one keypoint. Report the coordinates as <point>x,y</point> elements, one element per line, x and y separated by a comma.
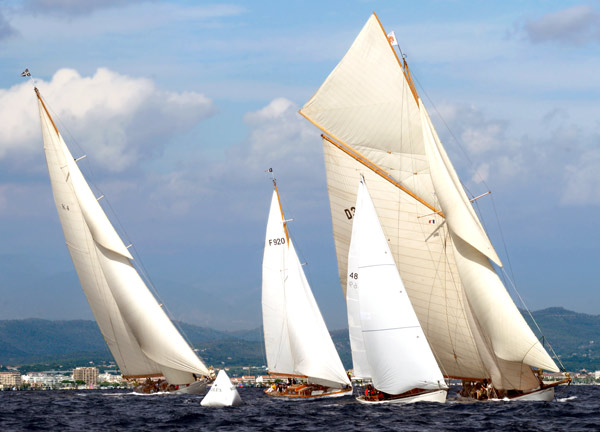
<point>37,92</point>
<point>287,237</point>
<point>363,160</point>
<point>376,169</point>
<point>404,66</point>
<point>410,81</point>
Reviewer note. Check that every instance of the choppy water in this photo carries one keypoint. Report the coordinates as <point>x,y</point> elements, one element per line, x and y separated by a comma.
<point>576,408</point>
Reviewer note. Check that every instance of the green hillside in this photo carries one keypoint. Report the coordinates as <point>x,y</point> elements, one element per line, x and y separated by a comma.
<point>53,344</point>
<point>574,336</point>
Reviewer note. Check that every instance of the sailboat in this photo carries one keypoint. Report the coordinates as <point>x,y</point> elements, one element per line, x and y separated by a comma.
<point>222,393</point>
<point>142,339</point>
<point>388,343</point>
<point>374,123</point>
<point>298,345</point>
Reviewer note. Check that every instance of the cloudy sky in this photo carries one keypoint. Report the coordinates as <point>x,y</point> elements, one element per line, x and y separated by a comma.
<point>180,106</point>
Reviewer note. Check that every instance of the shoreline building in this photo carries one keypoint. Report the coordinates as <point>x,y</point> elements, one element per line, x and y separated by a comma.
<point>87,374</point>
<point>9,380</point>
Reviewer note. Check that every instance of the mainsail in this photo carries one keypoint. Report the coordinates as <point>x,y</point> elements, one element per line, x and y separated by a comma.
<point>375,124</point>
<point>390,340</point>
<point>139,334</point>
<point>297,341</point>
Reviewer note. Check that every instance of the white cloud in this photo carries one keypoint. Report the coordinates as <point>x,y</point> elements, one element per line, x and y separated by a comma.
<point>279,135</point>
<point>477,132</point>
<point>582,179</point>
<point>278,138</point>
<point>117,118</point>
<point>481,174</point>
<point>575,26</point>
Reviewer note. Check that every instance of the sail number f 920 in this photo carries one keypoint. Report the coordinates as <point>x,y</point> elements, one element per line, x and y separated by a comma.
<point>276,241</point>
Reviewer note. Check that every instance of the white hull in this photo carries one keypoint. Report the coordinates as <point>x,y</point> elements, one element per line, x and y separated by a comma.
<point>435,396</point>
<point>546,395</point>
<point>197,387</point>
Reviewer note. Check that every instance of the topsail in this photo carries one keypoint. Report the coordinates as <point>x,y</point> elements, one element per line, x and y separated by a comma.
<point>375,124</point>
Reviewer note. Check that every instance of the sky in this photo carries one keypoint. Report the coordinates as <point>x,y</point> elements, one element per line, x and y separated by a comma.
<point>181,106</point>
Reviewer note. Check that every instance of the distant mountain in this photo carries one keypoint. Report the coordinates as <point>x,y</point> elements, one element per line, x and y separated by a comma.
<point>36,340</point>
<point>574,336</point>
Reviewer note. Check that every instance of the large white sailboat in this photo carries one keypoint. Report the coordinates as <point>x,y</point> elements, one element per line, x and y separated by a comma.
<point>388,343</point>
<point>298,345</point>
<point>375,123</point>
<point>142,339</point>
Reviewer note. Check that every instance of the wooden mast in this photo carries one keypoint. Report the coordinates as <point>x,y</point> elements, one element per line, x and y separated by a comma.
<point>37,93</point>
<point>287,237</point>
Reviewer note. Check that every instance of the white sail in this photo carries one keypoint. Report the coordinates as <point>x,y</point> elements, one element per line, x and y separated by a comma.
<point>222,393</point>
<point>274,275</point>
<point>397,351</point>
<point>297,341</point>
<point>428,272</point>
<point>370,112</point>
<point>360,362</point>
<point>139,334</point>
<point>501,321</point>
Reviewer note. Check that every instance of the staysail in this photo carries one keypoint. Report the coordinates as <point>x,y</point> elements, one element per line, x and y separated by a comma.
<point>297,341</point>
<point>396,350</point>
<point>139,334</point>
<point>373,123</point>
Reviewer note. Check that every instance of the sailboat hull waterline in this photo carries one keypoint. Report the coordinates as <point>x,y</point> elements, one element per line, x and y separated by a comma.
<point>438,396</point>
<point>143,340</point>
<point>307,391</point>
<point>387,341</point>
<point>298,346</point>
<point>374,123</point>
<point>546,395</point>
<point>162,386</point>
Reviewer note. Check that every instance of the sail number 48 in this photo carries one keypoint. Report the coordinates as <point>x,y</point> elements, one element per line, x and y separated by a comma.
<point>353,275</point>
<point>276,241</point>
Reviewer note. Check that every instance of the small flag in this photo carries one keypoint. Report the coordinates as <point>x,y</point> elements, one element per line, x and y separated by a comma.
<point>269,170</point>
<point>25,73</point>
<point>392,38</point>
<point>431,221</point>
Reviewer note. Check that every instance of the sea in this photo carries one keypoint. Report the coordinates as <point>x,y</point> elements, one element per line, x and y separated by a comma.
<point>575,408</point>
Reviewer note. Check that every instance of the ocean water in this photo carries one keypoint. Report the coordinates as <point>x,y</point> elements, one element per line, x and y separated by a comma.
<point>576,408</point>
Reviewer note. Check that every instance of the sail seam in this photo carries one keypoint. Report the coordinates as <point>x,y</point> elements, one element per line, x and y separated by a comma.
<point>378,170</point>
<point>388,329</point>
<point>376,265</point>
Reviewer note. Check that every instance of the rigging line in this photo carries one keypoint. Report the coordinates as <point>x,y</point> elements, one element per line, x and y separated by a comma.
<point>458,142</point>
<point>90,176</point>
<point>391,328</point>
<point>477,173</point>
<point>504,245</point>
<point>534,321</point>
<point>137,263</point>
